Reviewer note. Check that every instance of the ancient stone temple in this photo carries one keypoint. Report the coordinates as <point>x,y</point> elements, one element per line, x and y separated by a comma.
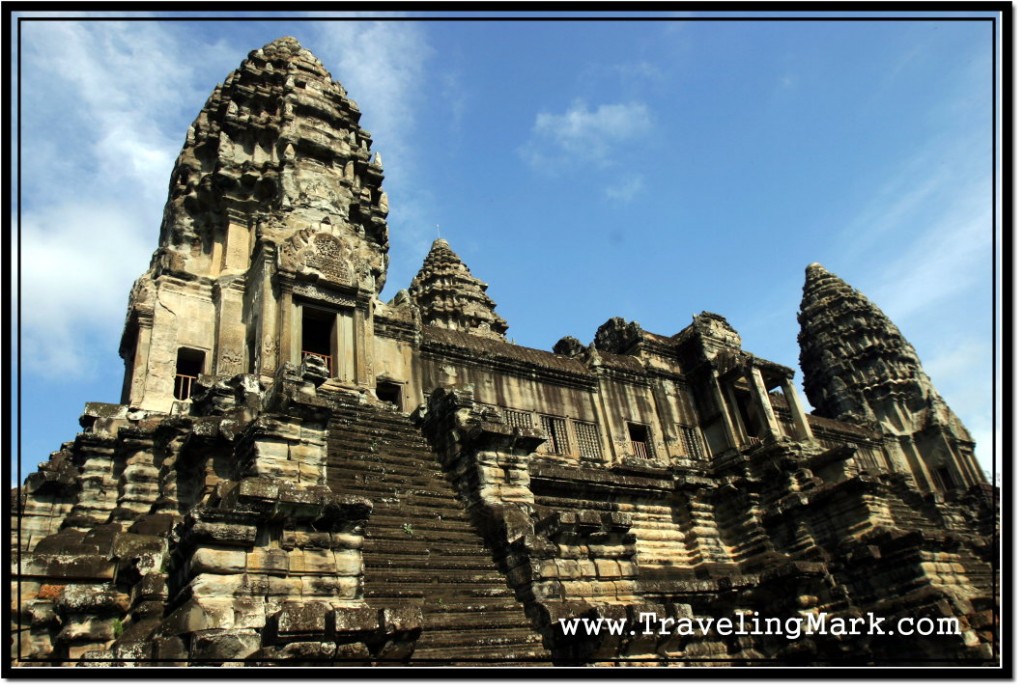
<point>299,473</point>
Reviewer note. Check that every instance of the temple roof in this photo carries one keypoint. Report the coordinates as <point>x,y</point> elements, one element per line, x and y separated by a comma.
<point>278,145</point>
<point>856,363</point>
<point>450,296</point>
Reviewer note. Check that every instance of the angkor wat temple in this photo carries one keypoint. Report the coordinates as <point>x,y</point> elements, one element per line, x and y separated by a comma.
<point>299,473</point>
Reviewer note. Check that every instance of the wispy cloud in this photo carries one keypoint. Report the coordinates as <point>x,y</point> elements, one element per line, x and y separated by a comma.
<point>105,107</point>
<point>949,258</point>
<point>942,199</point>
<point>79,261</point>
<point>99,100</point>
<point>626,188</point>
<point>944,202</point>
<point>582,135</point>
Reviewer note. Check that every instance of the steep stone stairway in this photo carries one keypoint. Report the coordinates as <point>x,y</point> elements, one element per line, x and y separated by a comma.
<point>421,547</point>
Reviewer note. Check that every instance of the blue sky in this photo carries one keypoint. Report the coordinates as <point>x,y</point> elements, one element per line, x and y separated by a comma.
<point>585,170</point>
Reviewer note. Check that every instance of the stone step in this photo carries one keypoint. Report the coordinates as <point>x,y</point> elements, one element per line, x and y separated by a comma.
<point>430,517</point>
<point>420,546</point>
<point>377,445</point>
<point>436,533</point>
<point>495,650</point>
<point>430,572</point>
<point>381,473</point>
<point>485,605</point>
<point>475,621</point>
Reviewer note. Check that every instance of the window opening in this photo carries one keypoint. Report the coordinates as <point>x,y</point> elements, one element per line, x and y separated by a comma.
<point>558,438</point>
<point>189,367</point>
<point>640,440</point>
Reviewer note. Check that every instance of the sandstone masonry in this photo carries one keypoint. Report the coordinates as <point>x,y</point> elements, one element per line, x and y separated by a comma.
<point>299,473</point>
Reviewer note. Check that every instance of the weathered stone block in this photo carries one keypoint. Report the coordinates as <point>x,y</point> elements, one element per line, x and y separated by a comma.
<point>283,587</point>
<point>401,619</point>
<point>307,453</point>
<point>355,620</point>
<point>309,650</point>
<point>226,645</point>
<point>81,628</point>
<point>348,562</point>
<point>225,533</point>
<point>311,561</point>
<point>302,617</point>
<point>355,652</point>
<point>209,560</point>
<point>95,598</point>
<point>268,561</point>
<point>195,615</point>
<point>250,613</point>
<point>271,452</point>
<point>321,587</point>
<point>258,488</point>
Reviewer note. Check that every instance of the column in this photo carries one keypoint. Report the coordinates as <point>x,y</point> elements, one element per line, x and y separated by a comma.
<point>763,402</point>
<point>727,420</point>
<point>800,424</point>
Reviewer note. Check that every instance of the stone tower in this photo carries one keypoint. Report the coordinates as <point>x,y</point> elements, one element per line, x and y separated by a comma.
<point>449,296</point>
<point>273,243</point>
<point>859,368</point>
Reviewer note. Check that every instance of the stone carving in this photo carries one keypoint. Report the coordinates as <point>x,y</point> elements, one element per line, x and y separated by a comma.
<point>327,254</point>
<point>448,295</point>
<point>859,367</point>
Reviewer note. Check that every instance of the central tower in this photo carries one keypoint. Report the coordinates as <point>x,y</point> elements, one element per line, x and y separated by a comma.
<point>273,245</point>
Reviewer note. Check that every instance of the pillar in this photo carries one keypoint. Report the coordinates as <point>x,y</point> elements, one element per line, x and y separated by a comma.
<point>800,424</point>
<point>764,403</point>
<point>731,426</point>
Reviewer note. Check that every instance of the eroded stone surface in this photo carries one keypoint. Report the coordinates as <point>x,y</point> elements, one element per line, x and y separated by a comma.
<point>449,296</point>
<point>301,474</point>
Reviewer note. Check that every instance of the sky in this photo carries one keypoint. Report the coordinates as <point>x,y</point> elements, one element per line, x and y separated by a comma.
<point>584,169</point>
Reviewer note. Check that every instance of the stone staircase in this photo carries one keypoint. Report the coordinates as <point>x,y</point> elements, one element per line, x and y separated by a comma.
<point>421,547</point>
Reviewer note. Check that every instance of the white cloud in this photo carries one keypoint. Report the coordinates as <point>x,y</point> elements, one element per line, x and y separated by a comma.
<point>118,84</point>
<point>949,257</point>
<point>103,103</point>
<point>104,114</point>
<point>79,261</point>
<point>581,135</point>
<point>626,188</point>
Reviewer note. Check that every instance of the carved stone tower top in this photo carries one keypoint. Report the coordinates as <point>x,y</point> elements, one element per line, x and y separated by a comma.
<point>857,364</point>
<point>858,367</point>
<point>273,245</point>
<point>448,295</point>
<point>276,149</point>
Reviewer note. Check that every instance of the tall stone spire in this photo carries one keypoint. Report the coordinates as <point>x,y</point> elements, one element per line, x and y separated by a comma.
<point>448,295</point>
<point>277,148</point>
<point>275,214</point>
<point>858,367</point>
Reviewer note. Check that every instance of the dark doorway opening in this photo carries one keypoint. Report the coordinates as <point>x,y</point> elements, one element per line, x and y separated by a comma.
<point>945,479</point>
<point>318,335</point>
<point>189,367</point>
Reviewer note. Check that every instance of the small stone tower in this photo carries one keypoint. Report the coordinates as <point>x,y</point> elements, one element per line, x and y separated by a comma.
<point>859,368</point>
<point>449,296</point>
<point>273,245</point>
